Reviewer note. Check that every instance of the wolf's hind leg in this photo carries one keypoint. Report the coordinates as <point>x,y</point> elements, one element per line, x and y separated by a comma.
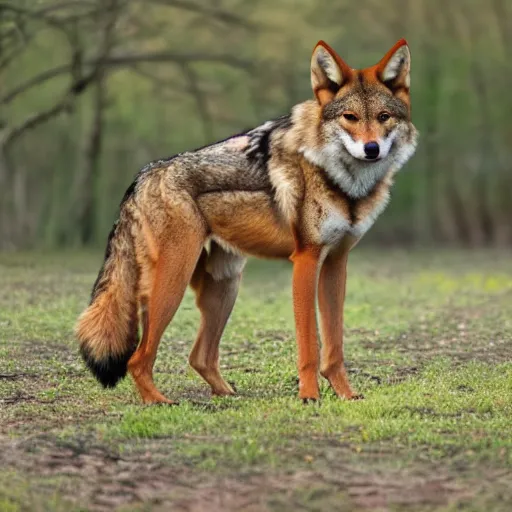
<point>167,282</point>
<point>215,281</point>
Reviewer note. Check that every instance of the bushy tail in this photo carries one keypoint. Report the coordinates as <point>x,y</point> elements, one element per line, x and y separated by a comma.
<point>108,329</point>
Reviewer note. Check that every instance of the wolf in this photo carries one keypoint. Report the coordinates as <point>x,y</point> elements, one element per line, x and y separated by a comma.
<point>306,186</point>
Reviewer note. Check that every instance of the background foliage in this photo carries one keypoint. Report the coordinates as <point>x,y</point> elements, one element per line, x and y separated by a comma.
<point>91,90</point>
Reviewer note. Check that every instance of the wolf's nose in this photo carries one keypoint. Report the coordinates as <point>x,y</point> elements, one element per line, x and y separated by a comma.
<point>371,150</point>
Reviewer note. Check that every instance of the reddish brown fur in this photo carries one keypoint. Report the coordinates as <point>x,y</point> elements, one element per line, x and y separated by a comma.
<point>245,220</point>
<point>284,205</point>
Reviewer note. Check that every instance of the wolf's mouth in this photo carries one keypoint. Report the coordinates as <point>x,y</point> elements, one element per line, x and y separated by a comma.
<point>367,160</point>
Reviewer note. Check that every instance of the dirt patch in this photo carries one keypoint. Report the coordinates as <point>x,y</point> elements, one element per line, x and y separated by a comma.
<point>476,333</point>
<point>91,476</point>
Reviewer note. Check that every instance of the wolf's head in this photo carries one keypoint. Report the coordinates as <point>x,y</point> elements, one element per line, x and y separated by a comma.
<point>365,116</point>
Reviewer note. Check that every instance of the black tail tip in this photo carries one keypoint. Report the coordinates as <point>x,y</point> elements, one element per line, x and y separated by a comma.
<point>108,371</point>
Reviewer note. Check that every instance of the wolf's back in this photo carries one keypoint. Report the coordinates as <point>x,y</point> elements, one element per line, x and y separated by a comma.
<point>108,329</point>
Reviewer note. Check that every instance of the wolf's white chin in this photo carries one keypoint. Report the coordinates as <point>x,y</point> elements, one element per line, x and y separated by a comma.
<point>356,147</point>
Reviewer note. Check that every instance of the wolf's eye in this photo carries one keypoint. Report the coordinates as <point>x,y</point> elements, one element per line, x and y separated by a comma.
<point>350,117</point>
<point>383,117</point>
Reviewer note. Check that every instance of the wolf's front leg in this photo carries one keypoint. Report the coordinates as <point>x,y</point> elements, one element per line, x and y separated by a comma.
<point>331,296</point>
<point>305,268</point>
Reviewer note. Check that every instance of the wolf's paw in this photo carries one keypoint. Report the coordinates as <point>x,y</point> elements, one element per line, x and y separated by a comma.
<point>158,399</point>
<point>224,389</point>
<point>167,403</point>
<point>354,396</point>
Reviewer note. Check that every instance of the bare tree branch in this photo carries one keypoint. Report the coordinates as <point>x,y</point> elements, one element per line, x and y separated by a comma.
<point>78,85</point>
<point>158,82</point>
<point>53,7</point>
<point>39,15</point>
<point>90,160</point>
<point>215,13</point>
<point>229,60</point>
<point>9,54</point>
<point>68,4</point>
<point>200,99</point>
<point>504,22</point>
<point>66,25</point>
<point>64,104</point>
<point>39,79</point>
<point>104,60</point>
<point>129,59</point>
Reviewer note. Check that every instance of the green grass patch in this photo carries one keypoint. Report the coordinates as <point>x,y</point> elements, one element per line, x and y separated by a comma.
<point>445,412</point>
<point>427,341</point>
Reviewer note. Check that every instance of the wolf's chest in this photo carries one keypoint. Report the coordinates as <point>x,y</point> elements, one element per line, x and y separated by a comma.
<point>354,218</point>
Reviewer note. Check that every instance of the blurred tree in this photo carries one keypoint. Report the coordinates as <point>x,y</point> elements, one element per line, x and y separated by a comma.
<point>90,90</point>
<point>100,36</point>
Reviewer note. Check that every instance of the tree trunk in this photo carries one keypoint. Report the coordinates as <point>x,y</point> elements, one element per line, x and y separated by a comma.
<point>90,166</point>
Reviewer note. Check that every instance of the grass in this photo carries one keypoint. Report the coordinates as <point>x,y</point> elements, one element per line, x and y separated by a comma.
<point>428,342</point>
<point>439,411</point>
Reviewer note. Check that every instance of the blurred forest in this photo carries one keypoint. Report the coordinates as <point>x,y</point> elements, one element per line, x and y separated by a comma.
<point>91,90</point>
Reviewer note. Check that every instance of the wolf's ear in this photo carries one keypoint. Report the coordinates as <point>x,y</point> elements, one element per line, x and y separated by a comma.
<point>328,72</point>
<point>394,68</point>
